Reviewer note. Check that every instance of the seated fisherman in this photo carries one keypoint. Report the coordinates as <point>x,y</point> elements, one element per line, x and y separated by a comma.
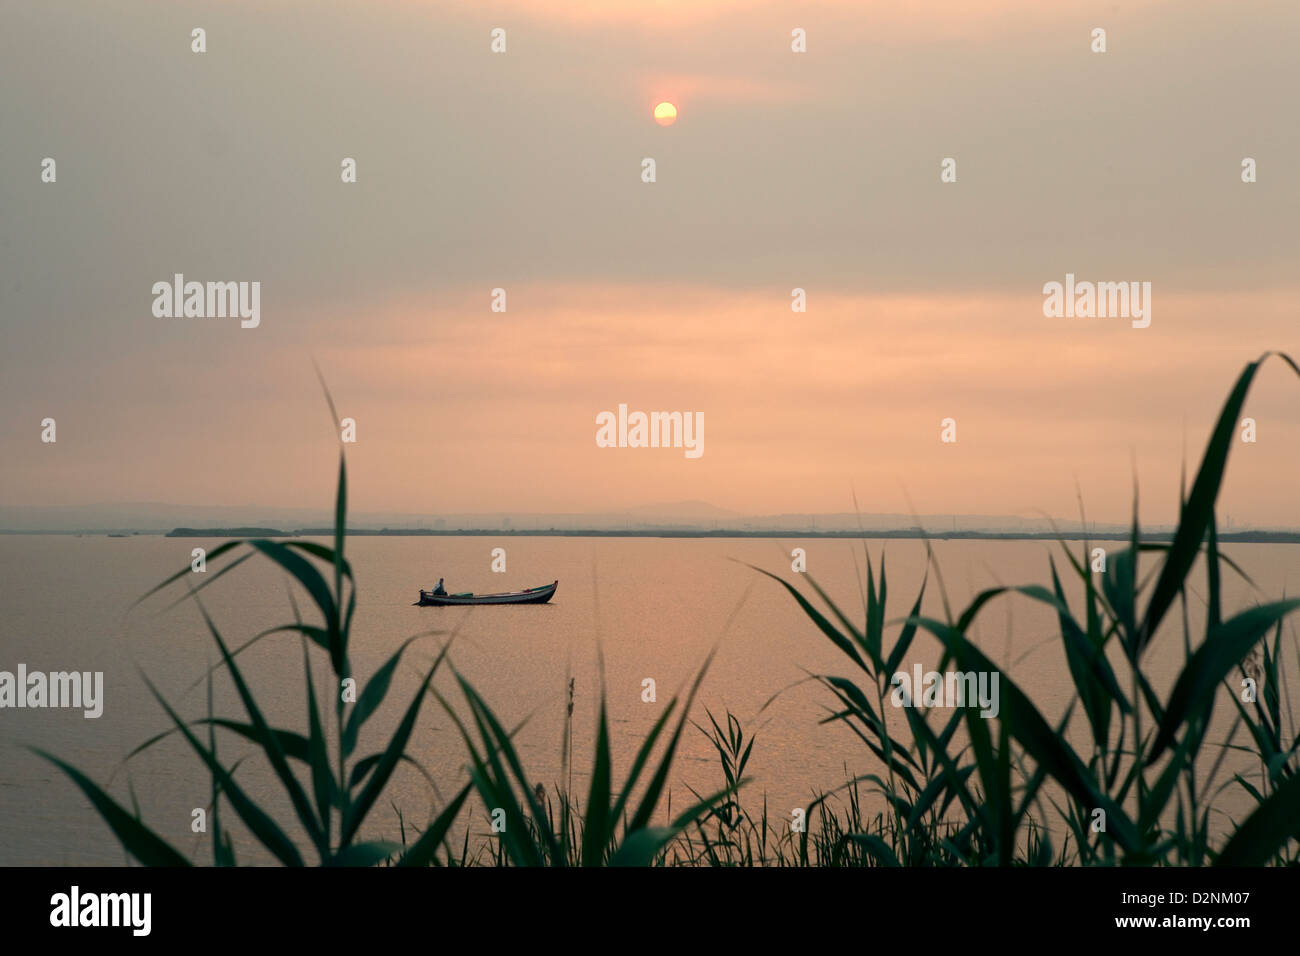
<point>439,589</point>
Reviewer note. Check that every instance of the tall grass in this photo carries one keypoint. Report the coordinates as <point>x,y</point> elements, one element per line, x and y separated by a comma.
<point>613,829</point>
<point>333,795</point>
<point>982,798</point>
<point>961,791</point>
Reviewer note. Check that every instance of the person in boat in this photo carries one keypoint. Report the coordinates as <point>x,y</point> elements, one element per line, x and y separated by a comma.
<point>439,590</point>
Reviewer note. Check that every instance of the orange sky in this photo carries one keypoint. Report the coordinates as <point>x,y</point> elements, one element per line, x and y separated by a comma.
<point>522,171</point>
<point>474,411</point>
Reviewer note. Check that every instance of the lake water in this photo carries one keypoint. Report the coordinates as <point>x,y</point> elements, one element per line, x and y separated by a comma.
<point>655,607</point>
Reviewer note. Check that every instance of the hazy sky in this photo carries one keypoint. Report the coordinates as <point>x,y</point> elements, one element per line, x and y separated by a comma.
<point>522,171</point>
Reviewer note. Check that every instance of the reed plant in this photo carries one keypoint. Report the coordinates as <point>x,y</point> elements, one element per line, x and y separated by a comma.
<point>337,793</point>
<point>981,797</point>
<point>615,827</point>
<point>959,791</point>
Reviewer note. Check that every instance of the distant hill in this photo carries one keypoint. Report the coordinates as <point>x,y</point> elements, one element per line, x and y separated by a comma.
<point>229,533</point>
<point>1227,537</point>
<point>681,517</point>
<point>679,510</point>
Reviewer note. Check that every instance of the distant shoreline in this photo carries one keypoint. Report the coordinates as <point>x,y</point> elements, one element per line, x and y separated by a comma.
<point>1242,537</point>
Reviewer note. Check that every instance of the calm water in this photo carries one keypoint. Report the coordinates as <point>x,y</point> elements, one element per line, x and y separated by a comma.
<point>654,607</point>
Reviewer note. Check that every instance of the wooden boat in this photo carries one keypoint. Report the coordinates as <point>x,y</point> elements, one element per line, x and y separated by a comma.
<point>538,595</point>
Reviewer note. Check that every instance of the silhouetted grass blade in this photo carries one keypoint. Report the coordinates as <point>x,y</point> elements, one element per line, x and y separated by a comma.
<point>141,842</point>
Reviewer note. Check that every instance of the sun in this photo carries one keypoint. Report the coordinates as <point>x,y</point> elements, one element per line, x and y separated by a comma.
<point>665,114</point>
